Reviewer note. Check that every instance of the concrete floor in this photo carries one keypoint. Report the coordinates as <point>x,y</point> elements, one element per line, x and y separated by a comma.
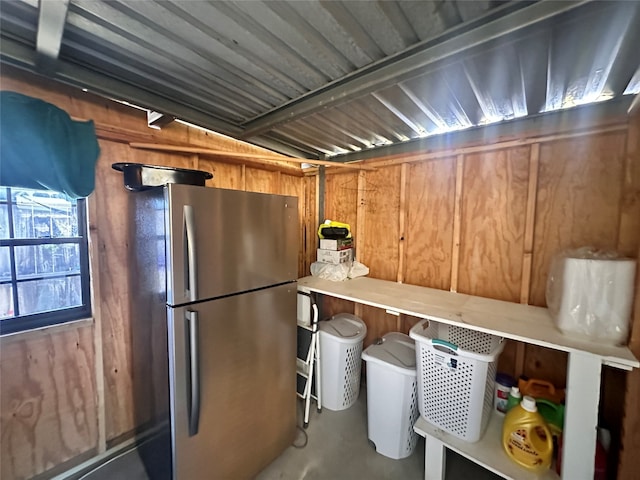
<point>336,448</point>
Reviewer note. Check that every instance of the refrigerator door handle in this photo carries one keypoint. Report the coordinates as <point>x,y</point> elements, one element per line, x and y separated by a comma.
<point>191,272</point>
<point>193,393</point>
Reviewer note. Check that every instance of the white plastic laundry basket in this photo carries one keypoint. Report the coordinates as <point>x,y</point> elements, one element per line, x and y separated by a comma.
<point>341,346</point>
<point>456,369</point>
<point>392,399</point>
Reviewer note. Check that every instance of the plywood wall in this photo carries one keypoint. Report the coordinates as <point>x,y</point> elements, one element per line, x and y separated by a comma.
<point>488,222</point>
<point>428,235</point>
<point>629,466</point>
<point>48,409</point>
<point>67,394</point>
<point>487,219</point>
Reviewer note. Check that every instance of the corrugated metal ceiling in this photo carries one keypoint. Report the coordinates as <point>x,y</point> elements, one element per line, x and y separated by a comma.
<point>326,78</point>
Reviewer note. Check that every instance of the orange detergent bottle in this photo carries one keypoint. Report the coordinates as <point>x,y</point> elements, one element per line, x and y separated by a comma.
<point>526,437</point>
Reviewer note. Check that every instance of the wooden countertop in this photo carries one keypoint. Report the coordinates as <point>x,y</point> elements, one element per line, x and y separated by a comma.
<point>525,323</point>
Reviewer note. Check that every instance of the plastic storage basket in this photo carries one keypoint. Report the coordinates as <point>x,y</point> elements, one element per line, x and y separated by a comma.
<point>456,369</point>
<point>340,362</point>
<point>392,399</point>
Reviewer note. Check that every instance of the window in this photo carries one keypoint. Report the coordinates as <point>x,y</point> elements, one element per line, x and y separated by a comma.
<point>44,260</point>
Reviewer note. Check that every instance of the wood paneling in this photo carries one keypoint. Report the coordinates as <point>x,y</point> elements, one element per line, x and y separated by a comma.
<point>494,201</point>
<point>225,175</point>
<point>341,199</point>
<point>629,466</point>
<point>47,399</point>
<point>507,359</point>
<point>293,186</point>
<point>111,201</point>
<point>588,192</point>
<point>429,231</point>
<point>519,205</point>
<point>378,323</point>
<point>310,235</point>
<point>578,202</point>
<point>61,429</point>
<point>546,364</point>
<point>457,224</point>
<point>330,306</point>
<point>381,232</point>
<point>262,181</point>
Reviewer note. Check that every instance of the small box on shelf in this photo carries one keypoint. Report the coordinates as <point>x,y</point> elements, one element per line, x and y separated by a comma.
<point>336,244</point>
<point>335,256</point>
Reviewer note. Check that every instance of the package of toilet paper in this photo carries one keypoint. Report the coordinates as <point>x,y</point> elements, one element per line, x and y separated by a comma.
<point>590,294</point>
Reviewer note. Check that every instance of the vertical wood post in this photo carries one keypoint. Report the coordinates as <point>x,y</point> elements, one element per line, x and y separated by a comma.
<point>629,223</point>
<point>402,222</point>
<point>94,269</point>
<point>435,456</point>
<point>534,162</point>
<point>360,225</point>
<point>581,419</point>
<point>629,461</point>
<point>361,211</point>
<point>457,219</point>
<point>525,286</point>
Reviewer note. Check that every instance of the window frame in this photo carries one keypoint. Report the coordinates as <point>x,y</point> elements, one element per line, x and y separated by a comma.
<point>18,324</point>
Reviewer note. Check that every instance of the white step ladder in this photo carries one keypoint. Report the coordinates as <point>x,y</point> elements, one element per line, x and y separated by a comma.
<point>308,357</point>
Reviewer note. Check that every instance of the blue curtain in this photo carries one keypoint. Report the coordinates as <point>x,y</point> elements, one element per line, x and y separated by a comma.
<point>41,147</point>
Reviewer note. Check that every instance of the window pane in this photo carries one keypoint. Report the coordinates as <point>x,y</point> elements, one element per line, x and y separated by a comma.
<point>47,259</point>
<point>50,294</point>
<point>4,220</point>
<point>6,301</point>
<point>5,264</point>
<point>3,194</point>
<point>43,214</point>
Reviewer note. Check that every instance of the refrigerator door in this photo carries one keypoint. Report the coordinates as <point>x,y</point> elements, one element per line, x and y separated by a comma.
<point>227,241</point>
<point>232,383</point>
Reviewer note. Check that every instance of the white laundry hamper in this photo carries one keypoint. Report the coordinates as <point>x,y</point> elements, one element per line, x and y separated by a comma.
<point>392,399</point>
<point>456,369</point>
<point>341,346</point>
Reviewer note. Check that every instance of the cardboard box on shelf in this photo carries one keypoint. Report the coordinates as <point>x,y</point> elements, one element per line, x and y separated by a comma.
<point>335,256</point>
<point>340,244</point>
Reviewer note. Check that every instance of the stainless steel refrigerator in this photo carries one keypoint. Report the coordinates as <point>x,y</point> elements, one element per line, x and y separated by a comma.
<point>214,329</point>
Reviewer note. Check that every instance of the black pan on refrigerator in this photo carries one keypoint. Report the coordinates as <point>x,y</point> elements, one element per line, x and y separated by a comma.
<point>138,176</point>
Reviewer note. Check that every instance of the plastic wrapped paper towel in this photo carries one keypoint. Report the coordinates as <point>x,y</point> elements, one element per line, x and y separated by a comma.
<point>590,293</point>
<point>339,272</point>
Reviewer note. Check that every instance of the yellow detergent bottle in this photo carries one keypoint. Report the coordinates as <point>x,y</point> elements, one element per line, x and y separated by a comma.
<point>526,437</point>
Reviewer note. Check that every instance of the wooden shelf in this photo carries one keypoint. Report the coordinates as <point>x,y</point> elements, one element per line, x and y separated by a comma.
<point>524,323</point>
<point>487,452</point>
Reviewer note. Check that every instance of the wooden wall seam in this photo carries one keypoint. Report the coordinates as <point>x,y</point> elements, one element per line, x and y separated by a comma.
<point>629,460</point>
<point>94,242</point>
<point>534,161</point>
<point>401,222</point>
<point>457,223</point>
<point>629,222</point>
<point>360,225</point>
<point>360,212</point>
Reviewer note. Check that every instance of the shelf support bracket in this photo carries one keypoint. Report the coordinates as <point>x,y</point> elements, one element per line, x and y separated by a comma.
<point>435,457</point>
<point>581,420</point>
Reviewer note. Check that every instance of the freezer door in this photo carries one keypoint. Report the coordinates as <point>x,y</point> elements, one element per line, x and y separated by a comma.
<point>227,241</point>
<point>232,389</point>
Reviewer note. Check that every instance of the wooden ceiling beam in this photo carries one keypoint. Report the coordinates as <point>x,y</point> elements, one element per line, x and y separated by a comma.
<point>253,156</point>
